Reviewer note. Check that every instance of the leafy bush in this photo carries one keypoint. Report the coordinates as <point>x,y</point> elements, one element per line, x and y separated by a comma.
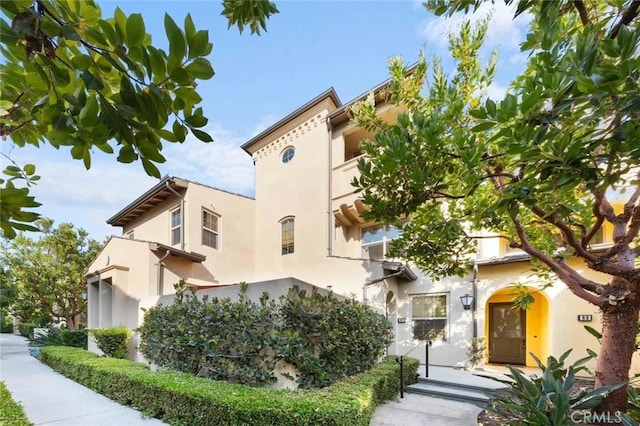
<point>180,398</point>
<point>112,341</point>
<point>546,400</point>
<point>214,338</point>
<point>6,324</point>
<point>11,413</point>
<point>26,329</point>
<point>61,337</point>
<point>326,339</point>
<point>323,338</point>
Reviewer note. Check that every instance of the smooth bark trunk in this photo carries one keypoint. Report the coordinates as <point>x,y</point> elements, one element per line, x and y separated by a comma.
<point>619,328</point>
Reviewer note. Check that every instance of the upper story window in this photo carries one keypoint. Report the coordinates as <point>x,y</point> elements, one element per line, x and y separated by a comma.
<point>287,235</point>
<point>430,316</point>
<point>288,154</point>
<point>598,238</point>
<point>209,229</point>
<point>376,240</point>
<point>176,226</point>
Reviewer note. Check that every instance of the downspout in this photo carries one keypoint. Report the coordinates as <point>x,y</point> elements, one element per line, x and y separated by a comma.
<point>159,285</point>
<point>182,215</point>
<point>330,192</point>
<point>474,284</point>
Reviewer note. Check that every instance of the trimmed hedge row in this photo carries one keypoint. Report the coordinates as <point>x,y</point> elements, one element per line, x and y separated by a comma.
<point>179,398</point>
<point>11,413</point>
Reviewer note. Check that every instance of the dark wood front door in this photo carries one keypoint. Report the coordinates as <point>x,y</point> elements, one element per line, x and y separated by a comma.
<point>507,334</point>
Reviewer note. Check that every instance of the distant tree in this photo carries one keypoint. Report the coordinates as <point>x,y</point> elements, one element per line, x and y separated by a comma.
<point>541,168</point>
<point>48,274</point>
<point>71,78</point>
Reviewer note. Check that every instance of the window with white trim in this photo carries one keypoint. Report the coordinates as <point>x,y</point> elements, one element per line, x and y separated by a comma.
<point>430,316</point>
<point>287,233</point>
<point>176,226</point>
<point>209,229</point>
<point>376,240</point>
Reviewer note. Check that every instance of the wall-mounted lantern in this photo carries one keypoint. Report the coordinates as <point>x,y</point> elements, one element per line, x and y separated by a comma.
<point>467,301</point>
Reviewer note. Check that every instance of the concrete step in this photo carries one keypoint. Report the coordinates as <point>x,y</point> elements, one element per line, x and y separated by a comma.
<point>451,392</point>
<point>488,388</point>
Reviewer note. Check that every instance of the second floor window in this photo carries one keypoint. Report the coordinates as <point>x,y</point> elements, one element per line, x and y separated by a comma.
<point>209,229</point>
<point>287,235</point>
<point>376,240</point>
<point>176,225</point>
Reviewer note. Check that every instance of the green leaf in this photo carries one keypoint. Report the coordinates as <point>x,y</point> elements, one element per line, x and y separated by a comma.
<point>199,45</point>
<point>29,169</point>
<point>483,126</point>
<point>150,168</point>
<point>196,120</point>
<point>204,137</point>
<point>91,82</point>
<point>135,30</point>
<point>200,68</point>
<point>177,43</point>
<point>127,154</point>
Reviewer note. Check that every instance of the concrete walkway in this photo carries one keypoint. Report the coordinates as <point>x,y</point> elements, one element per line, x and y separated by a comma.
<point>49,398</point>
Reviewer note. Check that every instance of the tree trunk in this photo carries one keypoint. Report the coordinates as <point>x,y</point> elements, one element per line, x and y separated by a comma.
<point>619,328</point>
<point>71,322</point>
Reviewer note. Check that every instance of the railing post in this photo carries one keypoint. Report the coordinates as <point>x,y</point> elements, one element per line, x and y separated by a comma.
<point>426,358</point>
<point>401,377</point>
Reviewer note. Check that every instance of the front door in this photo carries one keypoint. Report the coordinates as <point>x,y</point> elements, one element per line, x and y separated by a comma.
<point>507,334</point>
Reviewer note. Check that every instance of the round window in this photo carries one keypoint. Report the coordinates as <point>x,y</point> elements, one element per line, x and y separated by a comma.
<point>288,154</point>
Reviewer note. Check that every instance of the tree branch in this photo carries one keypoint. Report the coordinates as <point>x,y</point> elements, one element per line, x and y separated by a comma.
<point>582,10</point>
<point>626,19</point>
<point>576,284</point>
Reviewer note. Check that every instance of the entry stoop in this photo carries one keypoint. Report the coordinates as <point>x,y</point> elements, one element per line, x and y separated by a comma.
<point>457,385</point>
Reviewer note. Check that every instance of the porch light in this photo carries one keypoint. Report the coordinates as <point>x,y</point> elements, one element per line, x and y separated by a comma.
<point>467,301</point>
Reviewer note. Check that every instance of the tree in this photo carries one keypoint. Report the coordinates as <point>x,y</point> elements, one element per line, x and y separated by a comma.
<point>540,168</point>
<point>49,273</point>
<point>71,78</point>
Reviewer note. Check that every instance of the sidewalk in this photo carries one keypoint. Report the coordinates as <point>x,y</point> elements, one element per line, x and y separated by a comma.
<point>49,398</point>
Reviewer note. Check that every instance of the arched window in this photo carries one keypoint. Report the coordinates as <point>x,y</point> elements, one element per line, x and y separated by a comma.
<point>287,239</point>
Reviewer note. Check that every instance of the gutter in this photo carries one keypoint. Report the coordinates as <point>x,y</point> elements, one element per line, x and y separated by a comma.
<point>182,215</point>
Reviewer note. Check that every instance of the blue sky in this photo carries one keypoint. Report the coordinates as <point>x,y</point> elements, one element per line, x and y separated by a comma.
<point>309,47</point>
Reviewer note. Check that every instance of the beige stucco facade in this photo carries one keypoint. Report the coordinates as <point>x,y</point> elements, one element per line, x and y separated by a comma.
<point>304,165</point>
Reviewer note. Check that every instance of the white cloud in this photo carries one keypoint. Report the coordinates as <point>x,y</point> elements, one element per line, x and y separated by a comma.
<point>87,198</point>
<point>264,123</point>
<point>496,91</point>
<point>221,163</point>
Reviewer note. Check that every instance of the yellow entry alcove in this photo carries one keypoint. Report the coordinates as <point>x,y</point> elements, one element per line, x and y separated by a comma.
<point>534,321</point>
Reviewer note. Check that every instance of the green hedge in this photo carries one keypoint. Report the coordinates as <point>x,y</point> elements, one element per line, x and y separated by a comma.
<point>61,337</point>
<point>26,329</point>
<point>11,413</point>
<point>179,398</point>
<point>112,341</point>
<point>6,323</point>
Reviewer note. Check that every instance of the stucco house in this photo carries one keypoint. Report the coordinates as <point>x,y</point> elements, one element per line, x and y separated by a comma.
<point>305,224</point>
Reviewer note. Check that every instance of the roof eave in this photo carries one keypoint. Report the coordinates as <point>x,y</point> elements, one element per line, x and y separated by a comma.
<point>329,93</point>
<point>119,218</point>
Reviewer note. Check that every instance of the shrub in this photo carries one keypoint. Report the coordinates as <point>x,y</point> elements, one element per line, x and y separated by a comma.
<point>179,398</point>
<point>215,338</point>
<point>112,341</point>
<point>61,337</point>
<point>324,338</point>
<point>546,400</point>
<point>6,324</point>
<point>26,329</point>
<point>11,413</point>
